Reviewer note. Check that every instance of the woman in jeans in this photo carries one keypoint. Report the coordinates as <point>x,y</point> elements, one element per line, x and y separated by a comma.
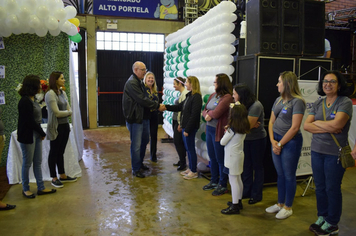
<point>327,170</point>
<point>286,141</point>
<point>254,144</point>
<point>30,135</point>
<point>216,114</point>
<point>57,128</point>
<point>190,116</point>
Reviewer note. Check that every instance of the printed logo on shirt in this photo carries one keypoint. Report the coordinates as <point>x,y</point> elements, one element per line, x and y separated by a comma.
<point>284,110</point>
<point>332,115</point>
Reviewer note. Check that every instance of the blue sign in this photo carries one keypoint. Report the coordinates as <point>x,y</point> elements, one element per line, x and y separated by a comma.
<point>159,9</point>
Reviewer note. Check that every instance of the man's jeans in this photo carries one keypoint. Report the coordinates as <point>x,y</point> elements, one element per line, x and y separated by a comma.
<point>139,136</point>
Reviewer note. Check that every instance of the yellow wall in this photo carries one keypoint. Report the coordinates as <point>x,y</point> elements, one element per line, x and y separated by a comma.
<point>93,24</point>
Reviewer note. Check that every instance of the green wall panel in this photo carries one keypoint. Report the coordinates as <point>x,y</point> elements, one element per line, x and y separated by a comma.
<point>26,54</point>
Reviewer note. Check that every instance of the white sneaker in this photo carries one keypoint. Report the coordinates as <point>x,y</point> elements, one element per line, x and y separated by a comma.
<point>284,214</point>
<point>185,172</point>
<point>273,209</point>
<point>191,175</point>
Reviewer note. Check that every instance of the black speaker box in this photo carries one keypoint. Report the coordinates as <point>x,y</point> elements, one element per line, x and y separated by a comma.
<point>313,68</point>
<point>313,28</point>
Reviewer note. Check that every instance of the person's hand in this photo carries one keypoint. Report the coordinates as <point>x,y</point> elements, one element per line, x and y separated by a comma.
<point>353,153</point>
<point>275,148</point>
<point>162,107</point>
<point>185,134</point>
<point>179,129</point>
<point>42,138</point>
<point>208,118</point>
<point>257,124</point>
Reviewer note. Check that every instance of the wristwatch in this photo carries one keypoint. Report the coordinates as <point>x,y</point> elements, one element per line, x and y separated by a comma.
<point>279,145</point>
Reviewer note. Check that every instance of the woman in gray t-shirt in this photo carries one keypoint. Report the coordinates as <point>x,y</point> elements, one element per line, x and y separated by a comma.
<point>286,141</point>
<point>327,169</point>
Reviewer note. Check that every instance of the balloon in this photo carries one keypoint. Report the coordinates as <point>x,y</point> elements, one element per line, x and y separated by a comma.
<point>24,12</point>
<point>206,97</point>
<point>71,12</point>
<point>73,30</point>
<point>2,12</point>
<point>42,12</point>
<point>203,136</point>
<point>34,22</point>
<point>41,31</point>
<point>74,21</point>
<point>11,6</point>
<point>5,32</point>
<point>55,32</point>
<point>65,27</point>
<point>76,38</point>
<point>17,31</point>
<point>60,14</point>
<point>51,23</point>
<point>12,21</point>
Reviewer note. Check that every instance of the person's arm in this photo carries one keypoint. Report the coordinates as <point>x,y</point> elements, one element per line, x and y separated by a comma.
<point>221,108</point>
<point>253,121</point>
<point>227,137</point>
<point>51,102</point>
<point>195,113</point>
<point>26,110</point>
<point>134,89</point>
<point>311,127</point>
<point>353,153</point>
<point>335,125</point>
<point>328,54</point>
<point>204,113</point>
<point>274,143</point>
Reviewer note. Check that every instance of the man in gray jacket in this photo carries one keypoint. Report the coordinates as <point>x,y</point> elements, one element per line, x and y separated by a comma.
<point>134,102</point>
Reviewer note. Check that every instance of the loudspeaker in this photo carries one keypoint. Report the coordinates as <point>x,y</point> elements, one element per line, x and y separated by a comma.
<point>262,22</point>
<point>313,28</point>
<point>313,68</point>
<point>291,30</point>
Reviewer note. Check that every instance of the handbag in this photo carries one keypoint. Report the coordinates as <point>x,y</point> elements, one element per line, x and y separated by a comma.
<point>344,152</point>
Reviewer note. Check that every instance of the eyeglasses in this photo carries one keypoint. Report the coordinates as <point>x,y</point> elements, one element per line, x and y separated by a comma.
<point>145,70</point>
<point>329,81</point>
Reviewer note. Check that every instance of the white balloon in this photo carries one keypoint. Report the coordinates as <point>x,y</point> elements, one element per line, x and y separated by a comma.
<point>2,12</point>
<point>5,31</point>
<point>66,26</point>
<point>211,89</point>
<point>16,31</point>
<point>30,4</point>
<point>24,12</point>
<point>32,31</point>
<point>11,6</point>
<point>42,12</point>
<point>60,14</point>
<point>51,23</point>
<point>55,32</point>
<point>12,21</point>
<point>34,22</point>
<point>41,31</point>
<point>71,12</point>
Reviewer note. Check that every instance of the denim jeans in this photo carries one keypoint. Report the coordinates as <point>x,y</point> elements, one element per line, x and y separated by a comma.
<point>286,166</point>
<point>139,136</point>
<point>179,144</point>
<point>32,153</point>
<point>189,143</point>
<point>216,155</point>
<point>328,174</point>
<point>253,174</point>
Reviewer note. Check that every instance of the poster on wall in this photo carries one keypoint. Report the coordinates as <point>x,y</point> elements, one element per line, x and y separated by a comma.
<point>2,72</point>
<point>2,98</point>
<point>310,95</point>
<point>158,9</point>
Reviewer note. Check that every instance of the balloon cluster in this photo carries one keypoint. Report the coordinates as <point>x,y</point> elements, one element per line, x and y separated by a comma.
<point>39,17</point>
<point>202,49</point>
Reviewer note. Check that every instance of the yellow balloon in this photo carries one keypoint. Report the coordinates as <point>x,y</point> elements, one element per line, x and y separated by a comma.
<point>74,21</point>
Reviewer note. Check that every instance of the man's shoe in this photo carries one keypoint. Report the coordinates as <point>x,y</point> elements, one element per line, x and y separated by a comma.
<point>182,167</point>
<point>57,183</point>
<point>176,164</point>
<point>41,192</point>
<point>253,201</point>
<point>68,179</point>
<point>220,190</point>
<point>154,159</point>
<point>210,186</point>
<point>138,174</point>
<point>144,167</point>
<point>233,209</point>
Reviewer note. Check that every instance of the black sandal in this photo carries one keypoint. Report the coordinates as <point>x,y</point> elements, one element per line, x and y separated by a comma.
<point>8,207</point>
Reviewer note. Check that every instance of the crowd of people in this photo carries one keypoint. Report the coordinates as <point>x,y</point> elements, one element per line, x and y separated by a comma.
<point>235,128</point>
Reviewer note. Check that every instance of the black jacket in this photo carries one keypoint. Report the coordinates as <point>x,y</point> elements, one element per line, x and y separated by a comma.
<point>191,111</point>
<point>135,100</point>
<point>26,123</point>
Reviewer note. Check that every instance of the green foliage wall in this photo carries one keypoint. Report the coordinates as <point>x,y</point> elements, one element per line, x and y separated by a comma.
<point>26,54</point>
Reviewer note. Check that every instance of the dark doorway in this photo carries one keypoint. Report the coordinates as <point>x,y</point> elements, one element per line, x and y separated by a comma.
<point>114,68</point>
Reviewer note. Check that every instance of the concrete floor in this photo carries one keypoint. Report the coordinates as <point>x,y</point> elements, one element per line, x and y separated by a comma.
<point>108,200</point>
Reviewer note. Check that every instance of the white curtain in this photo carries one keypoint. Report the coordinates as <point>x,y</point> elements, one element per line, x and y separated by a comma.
<point>76,117</point>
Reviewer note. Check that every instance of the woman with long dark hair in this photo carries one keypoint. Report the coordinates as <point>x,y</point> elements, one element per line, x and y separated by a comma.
<point>254,144</point>
<point>216,114</point>
<point>30,135</point>
<point>57,128</point>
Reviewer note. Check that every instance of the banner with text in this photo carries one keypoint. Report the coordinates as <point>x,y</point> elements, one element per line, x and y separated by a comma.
<point>159,9</point>
<point>310,95</point>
